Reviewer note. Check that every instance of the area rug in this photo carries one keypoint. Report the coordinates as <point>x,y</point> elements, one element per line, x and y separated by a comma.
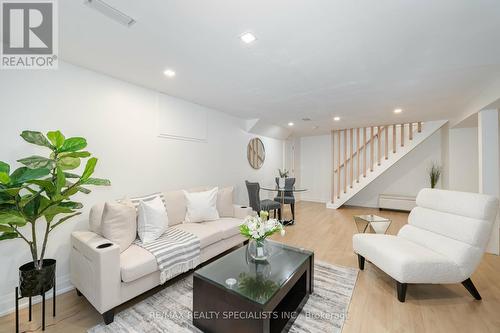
<point>169,310</point>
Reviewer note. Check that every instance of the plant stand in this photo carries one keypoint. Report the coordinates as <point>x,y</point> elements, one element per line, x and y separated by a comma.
<point>29,305</point>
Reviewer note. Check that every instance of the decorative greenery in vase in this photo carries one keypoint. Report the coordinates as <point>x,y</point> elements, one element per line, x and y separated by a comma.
<point>257,229</point>
<point>434,174</point>
<point>40,192</point>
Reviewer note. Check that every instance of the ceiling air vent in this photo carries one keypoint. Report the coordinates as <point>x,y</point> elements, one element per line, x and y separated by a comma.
<point>110,12</point>
<point>306,119</point>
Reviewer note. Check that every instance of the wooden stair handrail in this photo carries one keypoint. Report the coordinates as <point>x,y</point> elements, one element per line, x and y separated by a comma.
<point>375,136</point>
<point>355,153</point>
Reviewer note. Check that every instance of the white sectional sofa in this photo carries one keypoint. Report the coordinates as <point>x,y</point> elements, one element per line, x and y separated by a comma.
<point>108,278</point>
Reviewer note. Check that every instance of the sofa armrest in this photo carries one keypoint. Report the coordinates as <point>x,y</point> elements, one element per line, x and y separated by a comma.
<point>241,212</point>
<point>95,269</point>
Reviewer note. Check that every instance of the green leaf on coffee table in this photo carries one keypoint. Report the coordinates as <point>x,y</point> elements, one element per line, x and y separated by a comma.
<point>56,138</point>
<point>36,138</point>
<point>73,144</point>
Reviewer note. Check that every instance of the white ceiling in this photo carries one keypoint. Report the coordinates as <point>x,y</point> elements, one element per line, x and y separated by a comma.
<point>318,59</point>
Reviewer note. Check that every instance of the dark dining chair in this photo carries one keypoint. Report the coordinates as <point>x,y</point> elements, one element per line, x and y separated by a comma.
<point>257,204</point>
<point>288,197</point>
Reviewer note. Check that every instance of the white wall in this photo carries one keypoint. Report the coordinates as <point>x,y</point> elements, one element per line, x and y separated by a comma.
<point>315,167</point>
<point>119,121</point>
<point>463,160</point>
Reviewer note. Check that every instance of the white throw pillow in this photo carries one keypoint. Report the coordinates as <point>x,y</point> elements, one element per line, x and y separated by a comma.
<point>201,206</point>
<point>152,219</point>
<point>118,224</point>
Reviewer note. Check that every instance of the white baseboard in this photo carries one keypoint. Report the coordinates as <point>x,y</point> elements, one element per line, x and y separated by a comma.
<point>7,301</point>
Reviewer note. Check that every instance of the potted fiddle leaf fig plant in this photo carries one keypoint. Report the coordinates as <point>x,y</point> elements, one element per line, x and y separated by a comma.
<point>39,194</point>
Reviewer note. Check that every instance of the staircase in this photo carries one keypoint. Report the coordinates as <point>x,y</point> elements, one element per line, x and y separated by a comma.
<point>360,155</point>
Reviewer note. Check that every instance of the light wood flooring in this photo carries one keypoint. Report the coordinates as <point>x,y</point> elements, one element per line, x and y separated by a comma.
<point>374,306</point>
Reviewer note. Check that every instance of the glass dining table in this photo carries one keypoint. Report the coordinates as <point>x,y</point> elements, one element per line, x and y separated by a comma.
<point>281,194</point>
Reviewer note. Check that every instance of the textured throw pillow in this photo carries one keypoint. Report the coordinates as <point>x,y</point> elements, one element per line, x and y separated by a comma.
<point>95,218</point>
<point>152,220</point>
<point>201,206</point>
<point>225,202</point>
<point>118,224</point>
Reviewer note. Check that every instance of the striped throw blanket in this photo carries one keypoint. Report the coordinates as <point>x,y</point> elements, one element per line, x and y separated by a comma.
<point>176,252</point>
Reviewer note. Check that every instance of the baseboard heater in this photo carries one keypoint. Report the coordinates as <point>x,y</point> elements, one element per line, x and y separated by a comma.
<point>396,202</point>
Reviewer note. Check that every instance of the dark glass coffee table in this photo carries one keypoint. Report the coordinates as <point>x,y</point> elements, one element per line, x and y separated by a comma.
<point>235,294</point>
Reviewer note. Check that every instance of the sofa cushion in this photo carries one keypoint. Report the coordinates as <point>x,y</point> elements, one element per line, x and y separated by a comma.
<point>176,207</point>
<point>228,226</point>
<point>95,218</point>
<point>405,261</point>
<point>225,201</point>
<point>136,262</point>
<point>152,219</point>
<point>205,231</point>
<point>119,224</point>
<point>201,206</point>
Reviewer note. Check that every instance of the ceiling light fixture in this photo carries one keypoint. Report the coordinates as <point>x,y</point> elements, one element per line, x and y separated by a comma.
<point>110,12</point>
<point>169,73</point>
<point>290,124</point>
<point>248,38</point>
<point>398,111</point>
<point>336,118</point>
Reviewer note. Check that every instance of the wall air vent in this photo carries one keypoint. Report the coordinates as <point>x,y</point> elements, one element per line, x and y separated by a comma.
<point>110,12</point>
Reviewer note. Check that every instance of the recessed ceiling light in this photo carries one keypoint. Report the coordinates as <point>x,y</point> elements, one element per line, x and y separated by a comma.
<point>248,37</point>
<point>290,124</point>
<point>398,110</point>
<point>169,73</point>
<point>336,118</point>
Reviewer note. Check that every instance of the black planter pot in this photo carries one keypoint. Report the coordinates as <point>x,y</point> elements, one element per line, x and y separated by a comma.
<point>34,282</point>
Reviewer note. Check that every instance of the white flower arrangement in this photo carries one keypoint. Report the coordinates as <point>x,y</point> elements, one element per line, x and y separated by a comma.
<point>259,227</point>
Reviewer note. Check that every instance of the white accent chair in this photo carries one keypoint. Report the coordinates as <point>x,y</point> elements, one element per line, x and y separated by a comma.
<point>443,242</point>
